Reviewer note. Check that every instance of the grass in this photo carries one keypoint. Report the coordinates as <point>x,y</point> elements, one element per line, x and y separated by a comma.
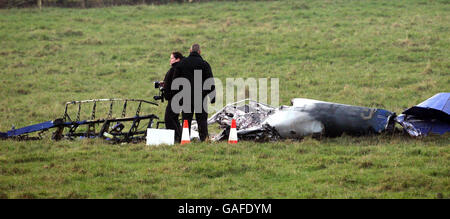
<point>385,54</point>
<point>371,167</point>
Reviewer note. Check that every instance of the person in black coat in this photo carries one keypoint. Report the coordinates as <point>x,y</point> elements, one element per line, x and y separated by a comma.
<point>171,118</point>
<point>187,69</point>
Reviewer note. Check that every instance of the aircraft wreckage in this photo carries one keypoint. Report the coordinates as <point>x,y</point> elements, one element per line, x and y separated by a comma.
<point>257,121</point>
<point>111,127</point>
<point>307,117</point>
<point>254,120</point>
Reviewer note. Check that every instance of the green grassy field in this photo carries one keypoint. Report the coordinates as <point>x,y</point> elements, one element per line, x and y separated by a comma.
<point>384,54</point>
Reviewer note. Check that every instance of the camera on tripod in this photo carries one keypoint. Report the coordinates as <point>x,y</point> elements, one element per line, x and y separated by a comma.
<point>159,85</point>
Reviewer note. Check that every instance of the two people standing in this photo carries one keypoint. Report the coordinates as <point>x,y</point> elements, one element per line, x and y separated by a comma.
<point>190,97</point>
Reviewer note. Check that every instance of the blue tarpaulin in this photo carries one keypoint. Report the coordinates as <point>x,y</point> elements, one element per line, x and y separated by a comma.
<point>429,117</point>
<point>438,107</point>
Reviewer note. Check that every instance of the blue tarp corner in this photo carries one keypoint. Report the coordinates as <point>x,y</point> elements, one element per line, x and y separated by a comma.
<point>429,117</point>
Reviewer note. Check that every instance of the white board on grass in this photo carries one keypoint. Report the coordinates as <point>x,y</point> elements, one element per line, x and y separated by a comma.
<point>160,136</point>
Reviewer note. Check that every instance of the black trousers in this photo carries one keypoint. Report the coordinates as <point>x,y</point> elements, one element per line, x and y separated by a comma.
<point>202,121</point>
<point>172,121</point>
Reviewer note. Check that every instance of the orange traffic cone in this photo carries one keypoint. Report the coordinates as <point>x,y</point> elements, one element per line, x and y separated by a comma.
<point>232,139</point>
<point>185,136</point>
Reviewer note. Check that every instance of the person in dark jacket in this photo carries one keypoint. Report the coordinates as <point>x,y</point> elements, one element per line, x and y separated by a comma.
<point>171,118</point>
<point>193,68</point>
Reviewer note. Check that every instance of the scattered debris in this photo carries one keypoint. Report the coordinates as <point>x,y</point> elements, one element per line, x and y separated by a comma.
<point>248,117</point>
